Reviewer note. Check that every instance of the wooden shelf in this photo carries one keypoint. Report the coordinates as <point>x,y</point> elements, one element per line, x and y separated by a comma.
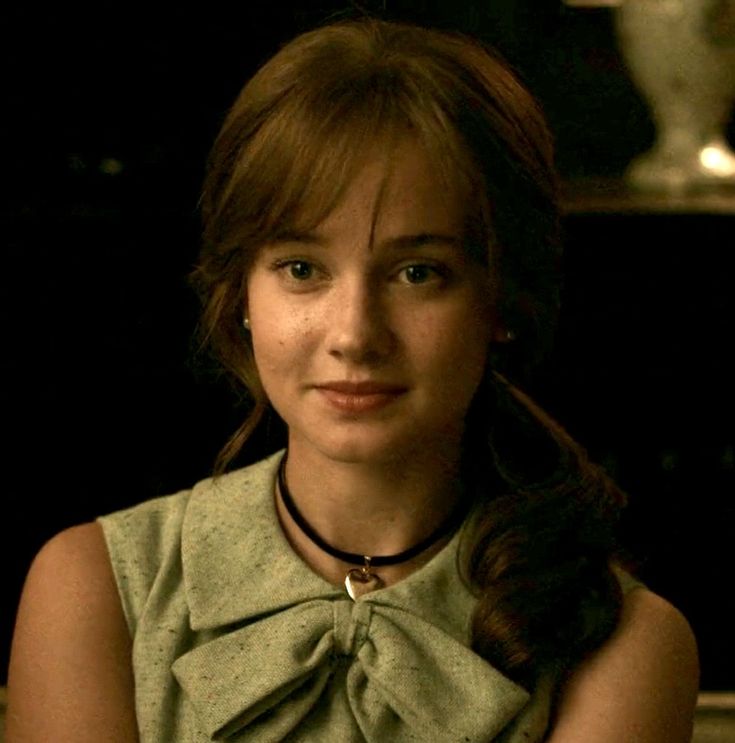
<point>614,196</point>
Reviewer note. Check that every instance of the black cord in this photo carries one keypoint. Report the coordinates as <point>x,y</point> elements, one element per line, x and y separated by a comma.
<point>451,523</point>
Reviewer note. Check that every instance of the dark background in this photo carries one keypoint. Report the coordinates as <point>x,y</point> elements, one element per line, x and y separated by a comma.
<point>108,118</point>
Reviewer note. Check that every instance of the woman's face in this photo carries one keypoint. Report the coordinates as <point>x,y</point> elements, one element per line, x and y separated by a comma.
<point>371,332</point>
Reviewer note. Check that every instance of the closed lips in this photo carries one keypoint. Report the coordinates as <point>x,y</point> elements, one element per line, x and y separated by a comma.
<point>361,397</point>
<point>361,388</point>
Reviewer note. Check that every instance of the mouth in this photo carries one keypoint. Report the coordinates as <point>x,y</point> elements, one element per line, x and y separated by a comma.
<point>359,397</point>
<point>366,387</point>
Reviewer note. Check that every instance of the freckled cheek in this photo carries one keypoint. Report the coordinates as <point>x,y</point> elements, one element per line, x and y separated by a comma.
<point>282,346</point>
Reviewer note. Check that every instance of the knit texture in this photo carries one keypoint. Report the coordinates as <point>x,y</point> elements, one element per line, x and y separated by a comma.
<point>235,638</point>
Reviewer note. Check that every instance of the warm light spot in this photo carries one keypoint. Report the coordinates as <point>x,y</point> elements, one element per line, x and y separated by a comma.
<point>111,166</point>
<point>714,159</point>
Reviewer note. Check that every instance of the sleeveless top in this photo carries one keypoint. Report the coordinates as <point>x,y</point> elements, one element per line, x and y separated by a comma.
<point>235,638</point>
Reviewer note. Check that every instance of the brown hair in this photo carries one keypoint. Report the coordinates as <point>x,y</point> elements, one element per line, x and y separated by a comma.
<point>287,151</point>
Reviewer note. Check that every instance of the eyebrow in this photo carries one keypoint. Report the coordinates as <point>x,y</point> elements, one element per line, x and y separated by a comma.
<point>401,242</point>
<point>421,239</point>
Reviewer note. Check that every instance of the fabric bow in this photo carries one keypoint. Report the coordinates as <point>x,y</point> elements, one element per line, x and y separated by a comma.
<point>405,679</point>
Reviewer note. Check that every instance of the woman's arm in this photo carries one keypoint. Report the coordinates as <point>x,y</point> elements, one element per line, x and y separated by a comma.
<point>640,686</point>
<point>70,676</point>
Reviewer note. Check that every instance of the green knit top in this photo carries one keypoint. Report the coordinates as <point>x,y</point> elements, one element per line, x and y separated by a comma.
<point>235,638</point>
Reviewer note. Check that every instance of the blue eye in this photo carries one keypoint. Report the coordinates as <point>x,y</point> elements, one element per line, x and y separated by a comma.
<point>299,275</point>
<point>300,270</point>
<point>419,274</point>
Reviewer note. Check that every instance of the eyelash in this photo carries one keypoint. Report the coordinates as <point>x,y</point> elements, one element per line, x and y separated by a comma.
<point>434,272</point>
<point>292,264</point>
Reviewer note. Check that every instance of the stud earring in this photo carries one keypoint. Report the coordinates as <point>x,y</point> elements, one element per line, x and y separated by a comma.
<point>246,322</point>
<point>510,336</point>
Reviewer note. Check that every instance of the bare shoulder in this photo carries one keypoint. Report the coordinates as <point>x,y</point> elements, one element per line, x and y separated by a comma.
<point>70,675</point>
<point>641,685</point>
<point>74,556</point>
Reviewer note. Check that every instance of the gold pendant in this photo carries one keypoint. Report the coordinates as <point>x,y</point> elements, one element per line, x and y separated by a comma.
<point>360,581</point>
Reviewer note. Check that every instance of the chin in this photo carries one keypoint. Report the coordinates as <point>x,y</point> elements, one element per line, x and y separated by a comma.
<point>378,450</point>
<point>360,453</point>
<point>377,439</point>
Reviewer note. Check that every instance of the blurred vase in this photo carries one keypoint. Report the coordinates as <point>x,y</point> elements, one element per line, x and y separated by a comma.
<point>681,55</point>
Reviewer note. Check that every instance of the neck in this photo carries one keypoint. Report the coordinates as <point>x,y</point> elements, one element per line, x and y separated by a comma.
<point>369,509</point>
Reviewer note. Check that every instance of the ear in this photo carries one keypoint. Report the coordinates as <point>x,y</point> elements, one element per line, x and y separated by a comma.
<point>246,314</point>
<point>501,333</point>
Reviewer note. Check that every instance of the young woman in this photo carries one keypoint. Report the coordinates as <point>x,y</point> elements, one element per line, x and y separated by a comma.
<point>431,558</point>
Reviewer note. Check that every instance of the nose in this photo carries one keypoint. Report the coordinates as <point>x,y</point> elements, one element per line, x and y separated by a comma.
<point>359,328</point>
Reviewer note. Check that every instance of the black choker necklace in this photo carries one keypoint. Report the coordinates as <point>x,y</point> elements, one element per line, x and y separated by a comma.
<point>361,580</point>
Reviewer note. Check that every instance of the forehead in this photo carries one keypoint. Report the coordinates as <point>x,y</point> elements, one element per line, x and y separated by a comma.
<point>402,189</point>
